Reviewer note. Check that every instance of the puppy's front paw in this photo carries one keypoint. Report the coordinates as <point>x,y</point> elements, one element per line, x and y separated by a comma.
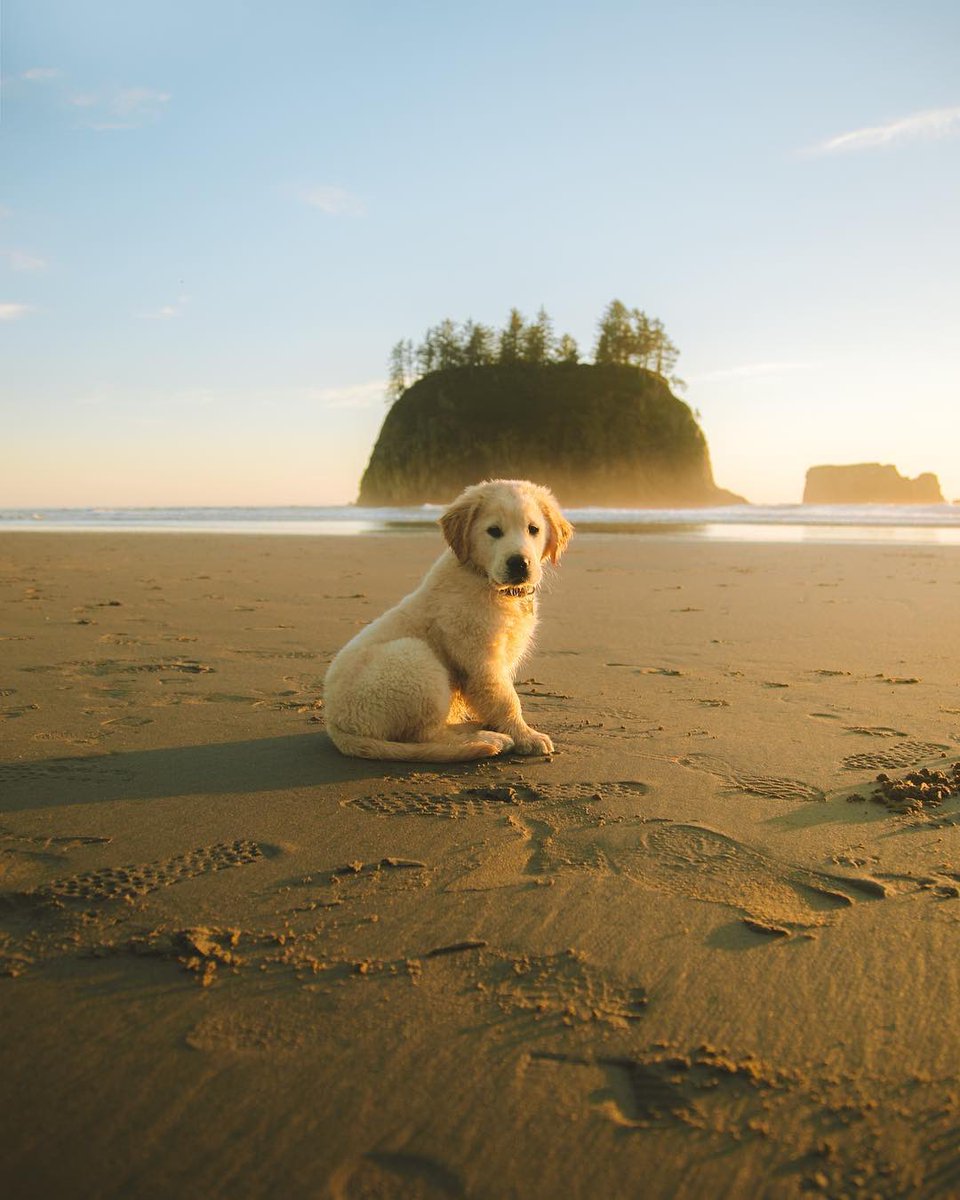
<point>532,742</point>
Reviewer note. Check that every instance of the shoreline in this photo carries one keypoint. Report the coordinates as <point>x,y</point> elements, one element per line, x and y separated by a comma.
<point>690,527</point>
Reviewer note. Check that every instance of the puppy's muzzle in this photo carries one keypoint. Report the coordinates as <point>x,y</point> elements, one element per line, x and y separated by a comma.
<point>518,569</point>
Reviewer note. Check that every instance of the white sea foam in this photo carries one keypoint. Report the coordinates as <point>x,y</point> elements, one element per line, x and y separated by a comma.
<point>915,524</point>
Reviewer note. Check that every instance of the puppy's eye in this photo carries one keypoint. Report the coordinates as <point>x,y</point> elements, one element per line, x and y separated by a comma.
<point>533,530</point>
<point>495,531</point>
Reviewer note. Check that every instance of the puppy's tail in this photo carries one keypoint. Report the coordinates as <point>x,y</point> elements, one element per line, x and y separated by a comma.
<point>455,748</point>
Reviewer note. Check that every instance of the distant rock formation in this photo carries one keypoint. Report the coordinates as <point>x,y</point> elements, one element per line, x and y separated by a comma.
<point>869,483</point>
<point>597,435</point>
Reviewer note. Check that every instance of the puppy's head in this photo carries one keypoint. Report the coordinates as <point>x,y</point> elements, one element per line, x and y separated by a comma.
<point>505,529</point>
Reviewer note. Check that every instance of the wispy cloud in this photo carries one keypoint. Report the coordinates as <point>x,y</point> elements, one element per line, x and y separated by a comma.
<point>40,74</point>
<point>167,312</point>
<point>137,103</point>
<point>334,201</point>
<point>358,395</point>
<point>750,371</point>
<point>931,125</point>
<point>19,260</point>
<point>107,108</point>
<point>9,311</point>
<point>122,108</point>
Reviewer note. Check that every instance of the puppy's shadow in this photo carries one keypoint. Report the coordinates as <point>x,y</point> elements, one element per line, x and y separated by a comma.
<point>237,768</point>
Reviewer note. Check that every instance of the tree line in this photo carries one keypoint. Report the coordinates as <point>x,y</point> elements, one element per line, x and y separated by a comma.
<point>625,337</point>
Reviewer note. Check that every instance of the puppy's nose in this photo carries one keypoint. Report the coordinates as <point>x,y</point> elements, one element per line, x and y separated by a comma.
<point>519,567</point>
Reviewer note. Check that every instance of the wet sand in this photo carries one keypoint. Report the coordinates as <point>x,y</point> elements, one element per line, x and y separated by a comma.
<point>678,959</point>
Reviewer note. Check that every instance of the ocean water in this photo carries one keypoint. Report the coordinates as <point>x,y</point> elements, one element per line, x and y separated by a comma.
<point>867,523</point>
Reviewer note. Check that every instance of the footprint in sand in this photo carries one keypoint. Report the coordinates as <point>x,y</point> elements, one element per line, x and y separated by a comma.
<point>74,770</point>
<point>773,897</point>
<point>12,714</point>
<point>127,882</point>
<point>177,698</point>
<point>61,735</point>
<point>903,754</point>
<point>497,799</point>
<point>248,1033</point>
<point>113,666</point>
<point>770,787</point>
<point>658,1087</point>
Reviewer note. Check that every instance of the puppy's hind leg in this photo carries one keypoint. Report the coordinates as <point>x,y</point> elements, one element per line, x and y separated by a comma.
<point>404,692</point>
<point>393,703</point>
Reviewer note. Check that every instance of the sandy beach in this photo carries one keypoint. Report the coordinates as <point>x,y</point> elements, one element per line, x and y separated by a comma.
<point>699,952</point>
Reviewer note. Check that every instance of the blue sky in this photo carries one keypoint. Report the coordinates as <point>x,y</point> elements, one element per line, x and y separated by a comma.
<point>217,218</point>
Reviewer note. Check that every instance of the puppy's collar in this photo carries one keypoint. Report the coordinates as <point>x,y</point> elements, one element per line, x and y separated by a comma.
<point>523,589</point>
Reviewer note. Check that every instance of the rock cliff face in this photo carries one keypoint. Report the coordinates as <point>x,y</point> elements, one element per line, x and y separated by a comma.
<point>869,483</point>
<point>604,435</point>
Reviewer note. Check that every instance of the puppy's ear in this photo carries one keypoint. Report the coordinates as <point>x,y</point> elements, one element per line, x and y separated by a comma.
<point>560,528</point>
<point>456,524</point>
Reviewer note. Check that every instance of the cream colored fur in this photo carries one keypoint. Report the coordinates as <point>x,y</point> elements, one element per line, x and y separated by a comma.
<point>432,679</point>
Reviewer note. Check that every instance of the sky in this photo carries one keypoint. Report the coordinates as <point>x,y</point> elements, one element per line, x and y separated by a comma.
<point>216,219</point>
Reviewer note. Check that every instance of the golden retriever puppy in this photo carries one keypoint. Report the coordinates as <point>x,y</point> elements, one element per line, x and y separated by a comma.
<point>432,679</point>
